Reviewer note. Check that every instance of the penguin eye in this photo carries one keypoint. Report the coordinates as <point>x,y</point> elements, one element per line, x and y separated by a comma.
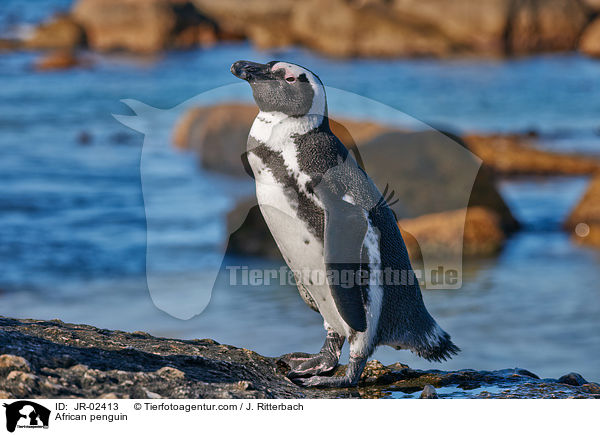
<point>290,79</point>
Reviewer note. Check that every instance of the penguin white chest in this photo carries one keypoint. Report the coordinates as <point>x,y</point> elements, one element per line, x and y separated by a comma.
<point>302,251</point>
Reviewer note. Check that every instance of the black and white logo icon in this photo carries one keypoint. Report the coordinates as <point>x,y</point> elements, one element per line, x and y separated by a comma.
<point>25,414</point>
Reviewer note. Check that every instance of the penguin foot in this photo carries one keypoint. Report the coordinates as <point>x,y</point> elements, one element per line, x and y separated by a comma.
<point>302,364</point>
<point>326,382</point>
<point>317,365</point>
<point>355,368</point>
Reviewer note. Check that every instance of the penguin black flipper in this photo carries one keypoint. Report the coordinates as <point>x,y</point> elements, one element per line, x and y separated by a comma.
<point>342,253</point>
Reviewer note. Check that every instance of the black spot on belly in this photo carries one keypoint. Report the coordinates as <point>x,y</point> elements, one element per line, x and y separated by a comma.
<point>306,242</point>
<point>308,211</point>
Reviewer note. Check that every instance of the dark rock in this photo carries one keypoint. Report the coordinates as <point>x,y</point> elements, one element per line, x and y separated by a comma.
<point>84,138</point>
<point>121,138</point>
<point>572,379</point>
<point>253,236</point>
<point>429,392</point>
<point>55,359</point>
<point>524,372</point>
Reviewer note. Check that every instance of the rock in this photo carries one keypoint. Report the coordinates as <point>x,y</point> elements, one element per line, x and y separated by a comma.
<point>591,388</point>
<point>84,138</point>
<point>142,26</point>
<point>592,5</point>
<point>115,364</point>
<point>545,25</point>
<point>253,236</point>
<point>264,22</point>
<point>369,30</point>
<point>219,134</point>
<point>572,379</point>
<point>152,395</point>
<point>431,172</point>
<point>590,39</point>
<point>406,27</point>
<point>57,60</point>
<point>5,395</point>
<point>477,27</point>
<point>483,234</point>
<point>584,220</point>
<point>61,32</point>
<point>429,392</point>
<point>171,372</point>
<point>10,44</point>
<point>515,155</point>
<point>9,363</point>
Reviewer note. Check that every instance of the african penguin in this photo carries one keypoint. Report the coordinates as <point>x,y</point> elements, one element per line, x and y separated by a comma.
<point>326,215</point>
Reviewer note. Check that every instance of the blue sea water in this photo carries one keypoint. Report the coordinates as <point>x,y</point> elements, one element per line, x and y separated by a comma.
<point>73,226</point>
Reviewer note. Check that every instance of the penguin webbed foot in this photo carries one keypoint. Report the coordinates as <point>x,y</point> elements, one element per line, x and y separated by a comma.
<point>326,382</point>
<point>350,379</point>
<point>325,361</point>
<point>317,365</point>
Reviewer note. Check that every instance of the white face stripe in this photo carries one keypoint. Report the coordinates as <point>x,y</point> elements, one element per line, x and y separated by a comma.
<point>319,98</point>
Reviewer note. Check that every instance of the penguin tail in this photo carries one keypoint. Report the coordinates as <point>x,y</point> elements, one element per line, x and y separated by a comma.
<point>437,346</point>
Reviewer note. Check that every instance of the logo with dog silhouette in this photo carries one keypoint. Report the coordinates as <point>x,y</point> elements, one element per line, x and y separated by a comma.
<point>25,414</point>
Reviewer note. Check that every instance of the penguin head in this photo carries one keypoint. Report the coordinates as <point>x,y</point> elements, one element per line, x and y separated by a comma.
<point>283,87</point>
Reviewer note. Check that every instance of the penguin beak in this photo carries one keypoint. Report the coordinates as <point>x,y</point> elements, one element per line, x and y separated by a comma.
<point>251,71</point>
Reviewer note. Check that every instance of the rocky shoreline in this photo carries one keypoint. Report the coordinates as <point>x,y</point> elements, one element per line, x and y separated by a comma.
<point>52,359</point>
<point>358,28</point>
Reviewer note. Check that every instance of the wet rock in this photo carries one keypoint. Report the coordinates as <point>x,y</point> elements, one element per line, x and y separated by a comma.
<point>572,379</point>
<point>57,60</point>
<point>584,220</point>
<point>592,388</point>
<point>516,155</point>
<point>429,392</point>
<point>61,32</point>
<point>590,39</point>
<point>525,372</point>
<point>116,364</point>
<point>142,26</point>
